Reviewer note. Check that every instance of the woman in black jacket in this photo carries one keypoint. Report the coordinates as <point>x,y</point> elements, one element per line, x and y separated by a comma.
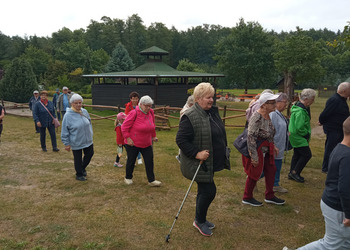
<point>202,137</point>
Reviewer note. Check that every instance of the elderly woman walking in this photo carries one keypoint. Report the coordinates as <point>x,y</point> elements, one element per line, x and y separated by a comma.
<point>300,133</point>
<point>262,150</point>
<point>202,137</point>
<point>76,135</point>
<point>280,123</point>
<point>43,113</point>
<point>139,131</point>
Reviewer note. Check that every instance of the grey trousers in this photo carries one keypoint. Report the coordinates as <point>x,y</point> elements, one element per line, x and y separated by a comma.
<point>337,236</point>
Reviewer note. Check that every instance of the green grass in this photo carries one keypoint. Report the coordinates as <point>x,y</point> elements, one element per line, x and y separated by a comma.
<point>44,207</point>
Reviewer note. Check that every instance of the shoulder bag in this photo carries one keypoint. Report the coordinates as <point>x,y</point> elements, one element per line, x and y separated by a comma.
<point>56,123</point>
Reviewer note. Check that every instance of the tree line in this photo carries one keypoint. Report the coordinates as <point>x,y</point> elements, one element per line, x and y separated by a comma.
<point>248,55</point>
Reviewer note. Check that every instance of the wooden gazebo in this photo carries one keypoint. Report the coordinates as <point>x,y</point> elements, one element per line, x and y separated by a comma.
<point>164,84</point>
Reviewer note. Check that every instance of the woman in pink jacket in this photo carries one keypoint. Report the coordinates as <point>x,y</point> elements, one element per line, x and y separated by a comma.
<point>139,131</point>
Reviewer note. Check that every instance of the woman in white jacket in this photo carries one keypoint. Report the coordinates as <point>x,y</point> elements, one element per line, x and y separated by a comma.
<point>76,134</point>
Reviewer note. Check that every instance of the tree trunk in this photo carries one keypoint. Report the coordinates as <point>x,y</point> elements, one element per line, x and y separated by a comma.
<point>289,89</point>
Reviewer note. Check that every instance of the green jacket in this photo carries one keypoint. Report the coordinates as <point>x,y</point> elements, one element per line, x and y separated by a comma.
<point>201,126</point>
<point>299,127</point>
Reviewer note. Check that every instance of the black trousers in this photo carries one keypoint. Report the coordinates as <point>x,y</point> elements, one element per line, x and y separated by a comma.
<point>205,195</point>
<point>147,154</point>
<point>333,138</point>
<point>301,157</point>
<point>52,133</point>
<point>37,129</point>
<point>80,162</point>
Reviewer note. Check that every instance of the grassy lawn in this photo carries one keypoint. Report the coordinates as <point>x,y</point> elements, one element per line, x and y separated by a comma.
<point>42,206</point>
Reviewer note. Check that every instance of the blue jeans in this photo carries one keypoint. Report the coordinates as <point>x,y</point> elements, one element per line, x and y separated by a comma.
<point>278,164</point>
<point>337,236</point>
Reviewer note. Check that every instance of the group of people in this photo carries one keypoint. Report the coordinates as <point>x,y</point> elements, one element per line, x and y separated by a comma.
<point>202,141</point>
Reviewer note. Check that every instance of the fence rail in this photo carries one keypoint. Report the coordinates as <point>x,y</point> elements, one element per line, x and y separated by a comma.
<point>162,114</point>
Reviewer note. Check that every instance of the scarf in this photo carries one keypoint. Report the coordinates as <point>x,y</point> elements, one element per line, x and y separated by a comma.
<point>76,111</point>
<point>44,101</point>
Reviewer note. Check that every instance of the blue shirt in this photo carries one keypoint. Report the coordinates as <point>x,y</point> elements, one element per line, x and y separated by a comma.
<point>65,102</point>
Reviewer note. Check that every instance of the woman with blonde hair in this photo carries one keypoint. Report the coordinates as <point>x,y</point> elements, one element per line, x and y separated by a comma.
<point>202,138</point>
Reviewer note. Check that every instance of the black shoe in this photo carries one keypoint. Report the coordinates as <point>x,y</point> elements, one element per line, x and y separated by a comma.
<point>203,228</point>
<point>80,178</point>
<point>55,150</point>
<point>296,177</point>
<point>252,202</point>
<point>84,173</point>
<point>44,149</point>
<point>275,201</point>
<point>210,225</point>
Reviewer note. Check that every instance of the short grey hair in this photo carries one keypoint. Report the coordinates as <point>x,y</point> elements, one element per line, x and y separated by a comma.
<point>190,100</point>
<point>343,87</point>
<point>281,97</point>
<point>307,94</point>
<point>76,97</point>
<point>146,100</point>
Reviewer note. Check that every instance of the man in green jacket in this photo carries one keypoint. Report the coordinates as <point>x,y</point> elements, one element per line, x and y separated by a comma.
<point>300,132</point>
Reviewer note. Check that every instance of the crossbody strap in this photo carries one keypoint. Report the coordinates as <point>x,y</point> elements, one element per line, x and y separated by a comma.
<point>47,110</point>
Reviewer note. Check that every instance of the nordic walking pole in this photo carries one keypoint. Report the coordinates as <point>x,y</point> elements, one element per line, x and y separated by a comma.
<point>167,238</point>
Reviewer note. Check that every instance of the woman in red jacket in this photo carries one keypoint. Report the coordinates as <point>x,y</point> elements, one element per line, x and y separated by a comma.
<point>139,133</point>
<point>134,101</point>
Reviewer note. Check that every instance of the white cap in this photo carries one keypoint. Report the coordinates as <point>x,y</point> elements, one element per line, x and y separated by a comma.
<point>36,92</point>
<point>267,97</point>
<point>64,88</point>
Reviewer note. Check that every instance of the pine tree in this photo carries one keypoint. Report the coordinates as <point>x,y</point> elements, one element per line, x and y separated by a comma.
<point>18,82</point>
<point>120,60</point>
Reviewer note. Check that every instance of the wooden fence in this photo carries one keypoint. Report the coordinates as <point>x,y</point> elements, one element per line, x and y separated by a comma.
<point>162,114</point>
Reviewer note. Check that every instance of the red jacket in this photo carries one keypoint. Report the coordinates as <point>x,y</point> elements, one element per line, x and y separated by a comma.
<point>119,135</point>
<point>128,108</point>
<point>255,172</point>
<point>140,127</point>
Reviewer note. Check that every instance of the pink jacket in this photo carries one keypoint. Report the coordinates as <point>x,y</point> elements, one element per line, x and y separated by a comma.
<point>140,127</point>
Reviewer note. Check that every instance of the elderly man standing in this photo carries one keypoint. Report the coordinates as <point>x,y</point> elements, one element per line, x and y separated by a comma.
<point>63,101</point>
<point>332,117</point>
<point>33,100</point>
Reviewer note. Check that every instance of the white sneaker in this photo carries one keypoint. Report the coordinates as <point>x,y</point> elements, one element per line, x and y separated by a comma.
<point>139,161</point>
<point>155,183</point>
<point>128,181</point>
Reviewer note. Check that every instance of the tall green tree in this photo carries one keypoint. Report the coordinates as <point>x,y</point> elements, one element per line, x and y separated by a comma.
<point>106,34</point>
<point>75,54</point>
<point>135,38</point>
<point>39,61</point>
<point>120,60</point>
<point>18,82</point>
<point>56,70</point>
<point>245,56</point>
<point>298,58</point>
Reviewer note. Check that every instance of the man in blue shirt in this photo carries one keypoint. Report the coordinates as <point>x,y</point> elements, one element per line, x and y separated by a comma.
<point>54,100</point>
<point>63,101</point>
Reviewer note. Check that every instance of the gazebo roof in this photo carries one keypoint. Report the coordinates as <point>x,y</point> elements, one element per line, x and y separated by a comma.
<point>154,50</point>
<point>153,68</point>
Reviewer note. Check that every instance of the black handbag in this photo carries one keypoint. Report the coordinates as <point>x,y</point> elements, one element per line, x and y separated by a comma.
<point>241,143</point>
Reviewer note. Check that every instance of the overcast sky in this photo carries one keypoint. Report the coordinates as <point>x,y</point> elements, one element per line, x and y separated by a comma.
<point>43,17</point>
